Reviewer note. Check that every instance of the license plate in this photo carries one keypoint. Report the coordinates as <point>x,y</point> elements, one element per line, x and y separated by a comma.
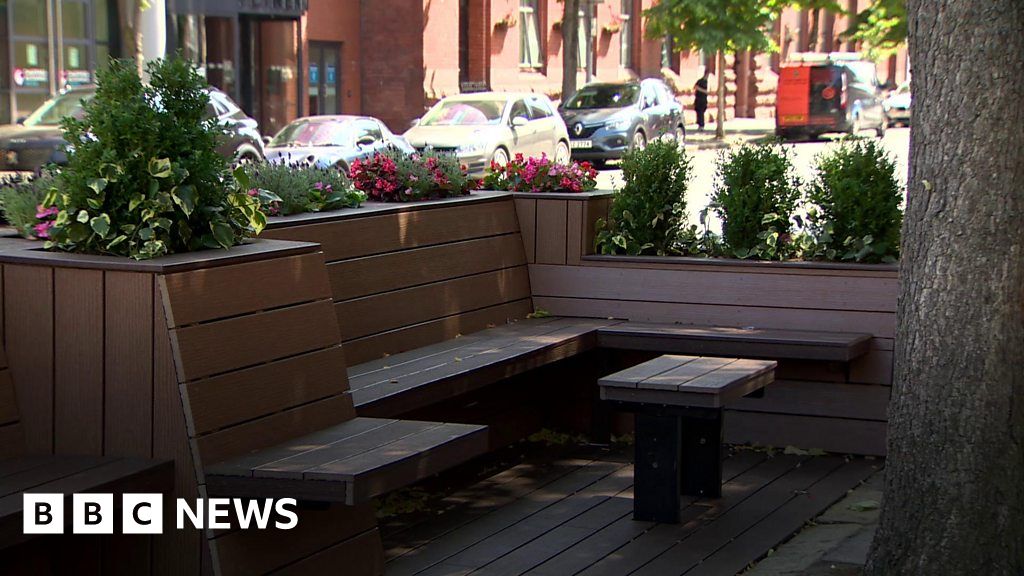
<point>581,144</point>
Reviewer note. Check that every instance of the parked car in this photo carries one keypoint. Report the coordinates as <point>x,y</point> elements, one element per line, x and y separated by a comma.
<point>897,106</point>
<point>607,119</point>
<point>327,141</point>
<point>37,140</point>
<point>492,126</point>
<point>822,93</point>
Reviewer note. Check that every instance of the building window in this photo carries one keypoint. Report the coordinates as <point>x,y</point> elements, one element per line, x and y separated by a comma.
<point>529,34</point>
<point>667,53</point>
<point>626,34</point>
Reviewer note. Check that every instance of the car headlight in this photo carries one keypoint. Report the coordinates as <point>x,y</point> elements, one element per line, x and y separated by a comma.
<point>620,124</point>
<point>470,148</point>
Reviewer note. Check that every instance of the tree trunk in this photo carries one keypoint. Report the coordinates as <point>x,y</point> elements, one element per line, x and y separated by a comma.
<point>130,17</point>
<point>720,73</point>
<point>570,46</point>
<point>954,492</point>
<point>812,36</point>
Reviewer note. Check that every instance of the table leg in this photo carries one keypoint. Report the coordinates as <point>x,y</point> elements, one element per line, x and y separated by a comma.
<point>701,468</point>
<point>656,476</point>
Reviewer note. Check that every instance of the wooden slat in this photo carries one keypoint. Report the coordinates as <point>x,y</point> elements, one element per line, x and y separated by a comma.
<point>551,231</point>
<point>28,313</point>
<point>206,349</point>
<point>842,435</point>
<point>526,210</point>
<point>575,232</point>
<point>215,293</point>
<point>384,273</point>
<point>373,314</point>
<point>829,399</point>
<point>686,375</point>
<point>128,394</point>
<point>244,552</point>
<point>243,395</point>
<point>270,430</point>
<point>359,555</point>
<point>632,376</point>
<point>878,324</point>
<point>417,335</point>
<point>176,551</point>
<point>699,264</point>
<point>355,237</point>
<point>78,305</point>
<point>8,400</point>
<point>51,471</point>
<point>716,288</point>
<point>314,456</point>
<point>12,440</point>
<point>721,380</point>
<point>596,209</point>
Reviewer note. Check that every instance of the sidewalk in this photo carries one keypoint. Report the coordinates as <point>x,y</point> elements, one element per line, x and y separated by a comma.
<point>737,131</point>
<point>835,543</point>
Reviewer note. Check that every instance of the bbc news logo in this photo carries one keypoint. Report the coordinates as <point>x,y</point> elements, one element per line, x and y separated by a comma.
<point>144,513</point>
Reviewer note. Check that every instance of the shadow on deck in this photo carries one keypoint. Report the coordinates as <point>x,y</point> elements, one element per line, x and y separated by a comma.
<point>573,515</point>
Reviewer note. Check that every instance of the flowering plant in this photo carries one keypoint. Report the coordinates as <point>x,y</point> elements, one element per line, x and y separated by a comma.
<point>540,175</point>
<point>22,204</point>
<point>393,176</point>
<point>297,187</point>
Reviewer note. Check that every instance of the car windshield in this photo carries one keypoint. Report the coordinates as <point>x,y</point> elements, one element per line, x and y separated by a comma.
<point>55,109</point>
<point>313,133</point>
<point>464,113</point>
<point>863,72</point>
<point>608,96</point>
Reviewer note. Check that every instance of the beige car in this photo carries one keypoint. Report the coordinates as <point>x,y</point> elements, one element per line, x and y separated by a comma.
<point>492,126</point>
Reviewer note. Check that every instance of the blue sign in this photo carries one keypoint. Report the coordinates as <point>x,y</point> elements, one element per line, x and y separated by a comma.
<point>332,75</point>
<point>314,74</point>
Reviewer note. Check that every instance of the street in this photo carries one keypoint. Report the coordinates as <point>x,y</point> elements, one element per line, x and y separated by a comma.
<point>896,142</point>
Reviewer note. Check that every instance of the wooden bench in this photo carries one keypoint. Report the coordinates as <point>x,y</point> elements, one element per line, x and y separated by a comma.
<point>262,376</point>
<point>59,474</point>
<point>678,403</point>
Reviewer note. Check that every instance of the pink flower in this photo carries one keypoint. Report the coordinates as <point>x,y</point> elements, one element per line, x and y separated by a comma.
<point>42,230</point>
<point>50,212</point>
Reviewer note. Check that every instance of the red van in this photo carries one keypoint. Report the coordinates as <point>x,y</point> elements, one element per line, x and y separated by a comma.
<point>821,93</point>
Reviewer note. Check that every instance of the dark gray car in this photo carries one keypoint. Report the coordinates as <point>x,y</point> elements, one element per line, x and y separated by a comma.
<point>607,119</point>
<point>37,140</point>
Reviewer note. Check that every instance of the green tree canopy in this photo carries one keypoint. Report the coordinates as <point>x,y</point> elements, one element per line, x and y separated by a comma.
<point>882,27</point>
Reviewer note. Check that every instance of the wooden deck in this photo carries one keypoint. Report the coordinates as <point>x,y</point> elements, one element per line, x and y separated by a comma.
<point>573,515</point>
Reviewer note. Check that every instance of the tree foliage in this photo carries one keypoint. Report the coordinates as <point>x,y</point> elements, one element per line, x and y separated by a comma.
<point>881,27</point>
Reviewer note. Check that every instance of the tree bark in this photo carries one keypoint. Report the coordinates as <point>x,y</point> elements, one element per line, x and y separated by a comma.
<point>954,491</point>
<point>720,78</point>
<point>570,46</point>
<point>130,17</point>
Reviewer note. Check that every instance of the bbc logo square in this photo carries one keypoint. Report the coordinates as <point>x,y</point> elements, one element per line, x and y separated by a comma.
<point>142,514</point>
<point>43,514</point>
<point>92,514</point>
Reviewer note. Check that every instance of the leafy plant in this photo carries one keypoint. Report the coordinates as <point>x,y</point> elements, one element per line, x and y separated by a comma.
<point>21,202</point>
<point>857,214</point>
<point>755,194</point>
<point>143,177</point>
<point>394,176</point>
<point>297,187</point>
<point>540,175</point>
<point>647,214</point>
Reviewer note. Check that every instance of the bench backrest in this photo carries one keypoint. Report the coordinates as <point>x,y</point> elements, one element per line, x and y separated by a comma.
<point>257,354</point>
<point>12,439</point>
<point>406,279</point>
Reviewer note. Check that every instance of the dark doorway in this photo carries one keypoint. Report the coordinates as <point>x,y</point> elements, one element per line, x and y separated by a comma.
<point>324,78</point>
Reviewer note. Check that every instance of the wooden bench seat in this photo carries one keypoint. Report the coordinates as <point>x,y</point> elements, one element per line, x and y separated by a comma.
<point>350,463</point>
<point>724,341</point>
<point>410,380</point>
<point>60,474</point>
<point>678,403</point>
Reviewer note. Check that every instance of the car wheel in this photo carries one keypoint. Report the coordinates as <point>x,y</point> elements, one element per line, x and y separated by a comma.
<point>562,154</point>
<point>639,141</point>
<point>680,134</point>
<point>247,158</point>
<point>500,157</point>
<point>342,167</point>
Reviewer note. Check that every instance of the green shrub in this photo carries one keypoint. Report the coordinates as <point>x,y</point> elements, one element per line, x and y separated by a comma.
<point>21,202</point>
<point>755,195</point>
<point>294,188</point>
<point>144,177</point>
<point>647,214</point>
<point>856,213</point>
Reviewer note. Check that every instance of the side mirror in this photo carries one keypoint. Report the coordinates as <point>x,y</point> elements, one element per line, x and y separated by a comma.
<point>519,121</point>
<point>366,141</point>
<point>21,120</point>
<point>266,140</point>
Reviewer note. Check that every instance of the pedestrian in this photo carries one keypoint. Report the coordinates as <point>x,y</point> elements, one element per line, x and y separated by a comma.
<point>700,98</point>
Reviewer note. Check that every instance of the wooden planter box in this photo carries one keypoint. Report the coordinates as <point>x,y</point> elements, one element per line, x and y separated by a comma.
<point>814,405</point>
<point>406,275</point>
<point>90,353</point>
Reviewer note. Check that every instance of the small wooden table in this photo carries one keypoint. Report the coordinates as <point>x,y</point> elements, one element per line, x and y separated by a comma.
<point>678,403</point>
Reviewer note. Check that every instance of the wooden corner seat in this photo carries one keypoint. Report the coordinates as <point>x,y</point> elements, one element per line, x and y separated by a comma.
<point>60,474</point>
<point>267,406</point>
